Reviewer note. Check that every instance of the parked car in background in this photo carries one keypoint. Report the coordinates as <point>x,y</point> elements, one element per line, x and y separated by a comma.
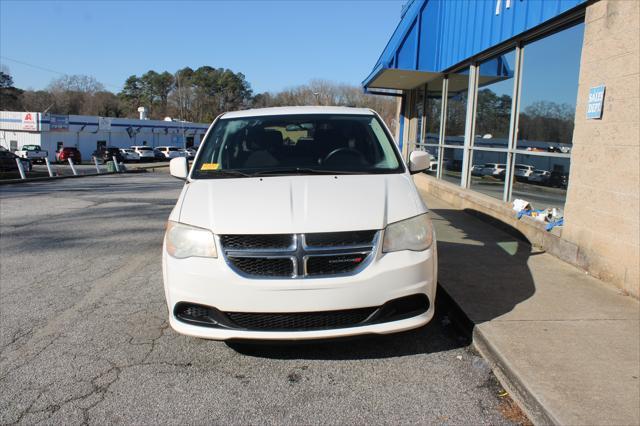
<point>9,166</point>
<point>476,169</point>
<point>540,177</point>
<point>67,152</point>
<point>158,155</point>
<point>495,170</point>
<point>33,153</point>
<point>144,152</point>
<point>170,151</point>
<point>193,150</point>
<point>558,179</point>
<point>189,153</point>
<point>522,172</point>
<point>129,155</point>
<point>106,154</point>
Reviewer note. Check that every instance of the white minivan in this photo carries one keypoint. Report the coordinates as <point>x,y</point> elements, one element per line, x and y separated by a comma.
<point>299,223</point>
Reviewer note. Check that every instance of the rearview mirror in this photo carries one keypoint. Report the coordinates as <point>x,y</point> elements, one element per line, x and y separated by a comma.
<point>179,168</point>
<point>419,161</point>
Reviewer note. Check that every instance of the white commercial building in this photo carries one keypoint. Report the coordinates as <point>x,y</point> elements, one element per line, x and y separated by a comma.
<point>88,133</point>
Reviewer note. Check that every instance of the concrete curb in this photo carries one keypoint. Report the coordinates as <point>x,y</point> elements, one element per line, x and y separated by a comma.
<point>501,367</point>
<point>511,381</point>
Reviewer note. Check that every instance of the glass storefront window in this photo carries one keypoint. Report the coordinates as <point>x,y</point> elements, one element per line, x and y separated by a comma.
<point>457,96</point>
<point>452,165</point>
<point>433,107</point>
<point>541,180</point>
<point>548,92</point>
<point>495,95</point>
<point>488,172</point>
<point>549,89</point>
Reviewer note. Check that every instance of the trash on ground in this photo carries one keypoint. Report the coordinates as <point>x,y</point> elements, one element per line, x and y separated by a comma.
<point>552,216</point>
<point>519,205</point>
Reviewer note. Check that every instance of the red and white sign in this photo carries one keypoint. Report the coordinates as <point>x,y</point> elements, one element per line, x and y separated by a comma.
<point>30,121</point>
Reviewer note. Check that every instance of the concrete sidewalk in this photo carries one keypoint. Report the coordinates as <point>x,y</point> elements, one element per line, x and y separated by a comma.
<point>564,344</point>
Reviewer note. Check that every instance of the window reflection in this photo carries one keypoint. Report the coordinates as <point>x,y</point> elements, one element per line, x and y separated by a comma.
<point>433,106</point>
<point>550,71</point>
<point>433,152</point>
<point>452,165</point>
<point>493,109</point>
<point>541,180</point>
<point>488,172</point>
<point>457,95</point>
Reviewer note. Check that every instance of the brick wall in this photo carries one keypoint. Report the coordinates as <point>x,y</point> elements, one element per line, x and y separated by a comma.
<point>603,202</point>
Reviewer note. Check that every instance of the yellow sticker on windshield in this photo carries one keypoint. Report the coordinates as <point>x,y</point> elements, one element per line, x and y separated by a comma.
<point>210,166</point>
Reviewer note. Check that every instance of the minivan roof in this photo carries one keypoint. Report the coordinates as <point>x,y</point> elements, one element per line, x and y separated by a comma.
<point>297,110</point>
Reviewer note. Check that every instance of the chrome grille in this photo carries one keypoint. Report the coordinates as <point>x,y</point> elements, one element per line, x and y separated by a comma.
<point>311,255</point>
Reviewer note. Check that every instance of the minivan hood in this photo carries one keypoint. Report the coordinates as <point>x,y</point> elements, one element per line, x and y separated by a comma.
<point>299,204</point>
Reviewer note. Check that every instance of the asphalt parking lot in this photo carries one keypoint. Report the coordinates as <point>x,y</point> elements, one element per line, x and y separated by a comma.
<point>84,335</point>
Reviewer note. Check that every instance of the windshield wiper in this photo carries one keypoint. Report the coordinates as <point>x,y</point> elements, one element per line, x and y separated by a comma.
<point>306,171</point>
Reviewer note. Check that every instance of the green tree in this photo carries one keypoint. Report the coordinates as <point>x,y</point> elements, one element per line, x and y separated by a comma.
<point>132,95</point>
<point>10,97</point>
<point>6,80</point>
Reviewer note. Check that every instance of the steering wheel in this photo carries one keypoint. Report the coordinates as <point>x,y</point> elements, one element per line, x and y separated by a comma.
<point>348,152</point>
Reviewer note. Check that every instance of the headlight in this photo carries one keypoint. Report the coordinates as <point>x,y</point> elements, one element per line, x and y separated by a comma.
<point>188,241</point>
<point>415,234</point>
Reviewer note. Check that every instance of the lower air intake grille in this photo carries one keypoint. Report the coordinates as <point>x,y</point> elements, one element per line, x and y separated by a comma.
<point>393,310</point>
<point>300,321</point>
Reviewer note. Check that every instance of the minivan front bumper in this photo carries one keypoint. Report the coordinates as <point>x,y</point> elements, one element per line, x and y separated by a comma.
<point>211,283</point>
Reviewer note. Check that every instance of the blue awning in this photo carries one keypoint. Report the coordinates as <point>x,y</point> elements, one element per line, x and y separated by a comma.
<point>435,35</point>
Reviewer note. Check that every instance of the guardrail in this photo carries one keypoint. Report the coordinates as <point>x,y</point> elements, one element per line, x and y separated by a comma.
<point>72,170</point>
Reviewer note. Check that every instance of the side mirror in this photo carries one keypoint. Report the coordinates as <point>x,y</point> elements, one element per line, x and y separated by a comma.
<point>419,161</point>
<point>179,168</point>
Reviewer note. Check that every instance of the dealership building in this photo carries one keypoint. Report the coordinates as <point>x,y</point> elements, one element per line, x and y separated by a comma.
<point>88,133</point>
<point>531,100</point>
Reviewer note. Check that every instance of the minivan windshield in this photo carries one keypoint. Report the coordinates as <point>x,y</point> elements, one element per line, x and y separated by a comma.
<point>297,144</point>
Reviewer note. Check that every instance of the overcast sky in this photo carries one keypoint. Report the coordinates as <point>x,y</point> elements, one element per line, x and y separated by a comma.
<point>276,44</point>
